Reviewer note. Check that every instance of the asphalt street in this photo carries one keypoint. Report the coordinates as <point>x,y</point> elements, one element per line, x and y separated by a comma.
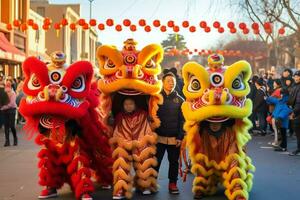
<point>277,176</point>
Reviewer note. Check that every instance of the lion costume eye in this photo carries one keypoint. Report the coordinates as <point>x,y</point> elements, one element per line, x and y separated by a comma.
<point>194,85</point>
<point>238,84</point>
<point>34,83</point>
<point>109,64</point>
<point>78,84</point>
<point>150,64</point>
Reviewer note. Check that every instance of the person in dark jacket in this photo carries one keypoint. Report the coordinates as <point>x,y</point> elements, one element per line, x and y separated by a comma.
<point>251,96</point>
<point>4,99</point>
<point>260,105</point>
<point>289,84</point>
<point>294,102</point>
<point>170,132</point>
<point>286,74</point>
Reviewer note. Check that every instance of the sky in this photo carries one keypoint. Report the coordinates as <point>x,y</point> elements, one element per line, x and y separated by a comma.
<point>164,10</point>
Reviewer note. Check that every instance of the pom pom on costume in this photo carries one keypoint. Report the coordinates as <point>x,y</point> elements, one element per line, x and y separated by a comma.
<point>216,111</point>
<point>131,73</point>
<point>61,106</point>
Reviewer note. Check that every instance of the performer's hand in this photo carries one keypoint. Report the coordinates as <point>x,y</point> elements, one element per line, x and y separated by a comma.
<point>178,143</point>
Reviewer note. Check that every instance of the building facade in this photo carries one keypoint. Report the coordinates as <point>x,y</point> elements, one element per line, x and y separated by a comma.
<point>14,43</point>
<point>78,44</point>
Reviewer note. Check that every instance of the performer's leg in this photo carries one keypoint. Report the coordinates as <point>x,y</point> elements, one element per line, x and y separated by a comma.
<point>51,173</point>
<point>121,172</point>
<point>144,164</point>
<point>237,179</point>
<point>205,181</point>
<point>80,174</point>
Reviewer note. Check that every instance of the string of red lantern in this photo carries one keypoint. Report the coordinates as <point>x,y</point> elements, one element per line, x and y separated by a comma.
<point>148,27</point>
<point>205,52</point>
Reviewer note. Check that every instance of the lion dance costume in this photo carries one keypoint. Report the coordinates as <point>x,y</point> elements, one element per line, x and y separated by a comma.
<point>133,73</point>
<point>216,111</point>
<point>61,105</point>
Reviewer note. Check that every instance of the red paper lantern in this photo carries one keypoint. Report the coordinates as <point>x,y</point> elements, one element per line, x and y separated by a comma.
<point>281,31</point>
<point>245,31</point>
<point>30,22</point>
<point>16,23</point>
<point>267,25</point>
<point>156,23</point>
<point>126,22</point>
<point>255,26</point>
<point>35,27</point>
<point>176,29</point>
<point>230,25</point>
<point>9,27</point>
<point>64,22</point>
<point>216,24</point>
<point>268,31</point>
<point>109,22</point>
<point>147,28</point>
<point>203,24</point>
<point>86,26</point>
<point>142,22</point>
<point>57,26</point>
<point>93,22</point>
<point>72,26</point>
<point>185,24</point>
<point>170,23</point>
<point>23,27</point>
<point>118,28</point>
<point>47,21</point>
<point>207,29</point>
<point>233,30</point>
<point>256,31</point>
<point>133,27</point>
<point>221,30</point>
<point>192,29</point>
<point>242,26</point>
<point>81,22</point>
<point>163,28</point>
<point>101,26</point>
<point>45,27</point>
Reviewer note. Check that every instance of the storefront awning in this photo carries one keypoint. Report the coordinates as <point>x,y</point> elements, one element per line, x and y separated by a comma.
<point>9,51</point>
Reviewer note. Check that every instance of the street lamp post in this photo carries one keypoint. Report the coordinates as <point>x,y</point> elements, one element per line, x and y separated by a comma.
<point>91,1</point>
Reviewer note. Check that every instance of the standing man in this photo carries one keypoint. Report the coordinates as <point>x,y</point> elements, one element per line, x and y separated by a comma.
<point>260,106</point>
<point>170,133</point>
<point>294,102</point>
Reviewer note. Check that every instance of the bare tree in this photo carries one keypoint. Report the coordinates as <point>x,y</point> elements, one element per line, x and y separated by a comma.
<point>281,13</point>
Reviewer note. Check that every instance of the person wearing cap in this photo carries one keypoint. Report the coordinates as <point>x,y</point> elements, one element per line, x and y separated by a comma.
<point>294,102</point>
<point>260,106</point>
<point>9,112</point>
<point>170,132</point>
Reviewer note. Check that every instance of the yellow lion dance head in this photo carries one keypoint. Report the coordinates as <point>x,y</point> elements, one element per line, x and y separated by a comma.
<point>129,72</point>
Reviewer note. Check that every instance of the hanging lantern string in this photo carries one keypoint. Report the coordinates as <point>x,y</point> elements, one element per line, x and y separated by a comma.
<point>148,26</point>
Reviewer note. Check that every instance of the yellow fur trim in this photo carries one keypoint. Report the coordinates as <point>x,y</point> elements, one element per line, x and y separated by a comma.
<point>216,110</point>
<point>151,181</point>
<point>232,72</point>
<point>194,69</point>
<point>145,154</point>
<point>152,51</point>
<point>120,162</point>
<point>151,162</point>
<point>130,145</point>
<point>109,52</point>
<point>121,174</point>
<point>154,101</point>
<point>147,173</point>
<point>121,184</point>
<point>120,152</point>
